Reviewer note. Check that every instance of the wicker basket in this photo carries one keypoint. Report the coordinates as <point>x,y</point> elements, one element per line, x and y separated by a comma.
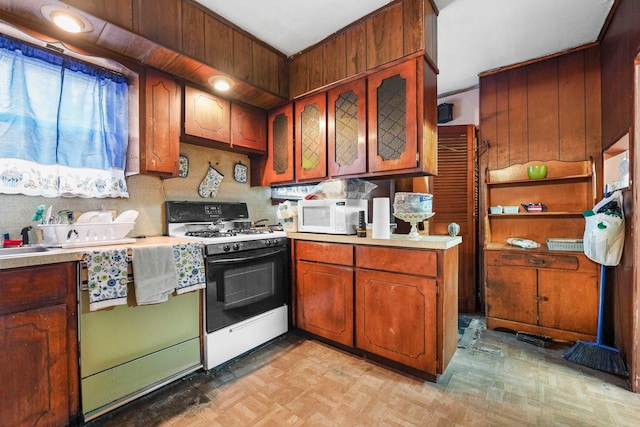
<point>569,245</point>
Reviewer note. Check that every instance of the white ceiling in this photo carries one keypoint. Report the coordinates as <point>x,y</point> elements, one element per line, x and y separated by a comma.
<point>473,35</point>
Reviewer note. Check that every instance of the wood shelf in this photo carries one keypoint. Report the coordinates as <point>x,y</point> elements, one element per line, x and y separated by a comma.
<point>542,181</point>
<point>529,215</point>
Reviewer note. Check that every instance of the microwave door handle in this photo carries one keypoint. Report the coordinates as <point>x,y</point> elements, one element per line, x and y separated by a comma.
<point>244,259</point>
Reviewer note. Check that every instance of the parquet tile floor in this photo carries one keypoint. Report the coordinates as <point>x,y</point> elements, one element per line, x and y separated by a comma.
<point>493,380</point>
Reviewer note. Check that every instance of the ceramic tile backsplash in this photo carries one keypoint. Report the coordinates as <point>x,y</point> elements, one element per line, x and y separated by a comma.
<point>148,193</point>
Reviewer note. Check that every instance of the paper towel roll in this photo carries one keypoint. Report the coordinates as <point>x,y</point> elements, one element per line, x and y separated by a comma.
<point>381,218</point>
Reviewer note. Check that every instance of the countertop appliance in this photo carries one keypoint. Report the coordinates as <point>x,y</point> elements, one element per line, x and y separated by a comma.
<point>247,290</point>
<point>331,216</point>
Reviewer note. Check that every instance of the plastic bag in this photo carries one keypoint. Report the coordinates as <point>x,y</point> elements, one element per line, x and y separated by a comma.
<point>350,188</point>
<point>604,231</point>
<point>287,212</point>
<point>523,243</point>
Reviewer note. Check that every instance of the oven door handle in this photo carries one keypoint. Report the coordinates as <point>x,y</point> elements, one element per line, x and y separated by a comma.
<point>213,260</point>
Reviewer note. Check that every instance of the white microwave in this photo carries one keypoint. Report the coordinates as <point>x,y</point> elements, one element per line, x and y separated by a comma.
<point>333,216</point>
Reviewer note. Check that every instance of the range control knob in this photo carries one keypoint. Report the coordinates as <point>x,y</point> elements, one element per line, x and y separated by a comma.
<point>226,248</point>
<point>268,242</point>
<point>236,246</point>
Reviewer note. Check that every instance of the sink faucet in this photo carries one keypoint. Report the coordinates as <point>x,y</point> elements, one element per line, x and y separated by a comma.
<point>25,235</point>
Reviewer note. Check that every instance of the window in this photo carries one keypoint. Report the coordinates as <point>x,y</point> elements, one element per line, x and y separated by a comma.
<point>63,124</point>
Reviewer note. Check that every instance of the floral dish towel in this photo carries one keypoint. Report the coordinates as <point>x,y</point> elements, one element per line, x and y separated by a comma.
<point>189,267</point>
<point>107,278</point>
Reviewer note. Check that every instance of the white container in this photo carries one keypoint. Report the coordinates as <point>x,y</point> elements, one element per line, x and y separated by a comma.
<point>511,209</point>
<point>381,218</point>
<point>495,210</point>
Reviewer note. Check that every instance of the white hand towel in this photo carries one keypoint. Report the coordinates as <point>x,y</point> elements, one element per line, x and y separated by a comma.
<point>154,273</point>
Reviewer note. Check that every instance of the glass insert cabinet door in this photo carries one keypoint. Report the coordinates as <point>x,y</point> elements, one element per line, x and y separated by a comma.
<point>393,133</point>
<point>347,129</point>
<point>311,137</point>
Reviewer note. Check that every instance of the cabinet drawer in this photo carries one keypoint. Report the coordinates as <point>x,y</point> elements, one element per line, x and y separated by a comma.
<point>330,253</point>
<point>407,261</point>
<point>31,287</point>
<point>518,259</point>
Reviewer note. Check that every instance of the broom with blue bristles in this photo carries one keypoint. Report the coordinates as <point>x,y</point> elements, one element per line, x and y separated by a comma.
<point>596,355</point>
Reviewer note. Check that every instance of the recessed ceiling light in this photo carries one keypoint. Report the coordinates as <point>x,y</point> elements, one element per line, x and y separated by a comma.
<point>221,83</point>
<point>67,22</point>
<point>67,19</point>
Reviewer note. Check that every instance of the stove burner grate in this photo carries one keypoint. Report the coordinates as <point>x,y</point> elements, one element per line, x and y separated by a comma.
<point>212,234</point>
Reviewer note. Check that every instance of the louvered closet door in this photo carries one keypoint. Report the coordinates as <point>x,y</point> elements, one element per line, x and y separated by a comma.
<point>455,199</point>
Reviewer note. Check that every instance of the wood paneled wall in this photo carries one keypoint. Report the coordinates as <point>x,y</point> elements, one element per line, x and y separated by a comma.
<point>546,110</point>
<point>397,30</point>
<point>208,40</point>
<point>620,47</point>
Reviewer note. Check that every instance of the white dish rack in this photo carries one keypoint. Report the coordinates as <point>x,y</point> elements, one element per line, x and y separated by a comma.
<point>67,235</point>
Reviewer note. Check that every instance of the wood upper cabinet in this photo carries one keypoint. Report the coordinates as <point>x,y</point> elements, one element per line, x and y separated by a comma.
<point>311,137</point>
<point>38,324</point>
<point>248,128</point>
<point>347,129</point>
<point>160,124</point>
<point>206,116</point>
<point>324,287</point>
<point>392,118</point>
<point>280,164</point>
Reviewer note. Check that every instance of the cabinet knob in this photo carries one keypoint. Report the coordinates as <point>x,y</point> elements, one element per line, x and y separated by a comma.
<point>539,298</point>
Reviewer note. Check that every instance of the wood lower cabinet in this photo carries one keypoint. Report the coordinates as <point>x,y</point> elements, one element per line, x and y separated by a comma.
<point>325,301</point>
<point>38,337</point>
<point>398,305</point>
<point>324,279</point>
<point>547,294</point>
<point>396,317</point>
<point>160,124</point>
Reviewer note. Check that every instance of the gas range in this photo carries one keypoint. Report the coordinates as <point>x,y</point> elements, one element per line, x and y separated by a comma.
<point>247,269</point>
<point>197,220</point>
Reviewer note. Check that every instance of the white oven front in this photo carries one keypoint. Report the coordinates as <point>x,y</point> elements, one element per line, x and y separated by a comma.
<point>245,302</point>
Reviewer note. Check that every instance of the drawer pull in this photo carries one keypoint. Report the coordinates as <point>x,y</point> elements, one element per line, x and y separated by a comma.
<point>536,261</point>
<point>539,298</point>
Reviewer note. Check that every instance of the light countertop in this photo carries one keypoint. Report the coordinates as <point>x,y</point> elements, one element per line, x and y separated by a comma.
<point>396,240</point>
<point>56,255</point>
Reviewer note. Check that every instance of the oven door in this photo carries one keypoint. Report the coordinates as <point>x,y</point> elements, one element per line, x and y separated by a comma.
<point>241,285</point>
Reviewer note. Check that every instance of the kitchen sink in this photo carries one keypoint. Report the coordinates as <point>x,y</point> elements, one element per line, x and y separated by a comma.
<point>20,250</point>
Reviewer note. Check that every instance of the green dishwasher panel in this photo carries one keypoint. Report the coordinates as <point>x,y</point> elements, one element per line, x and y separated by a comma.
<point>117,335</point>
<point>108,387</point>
